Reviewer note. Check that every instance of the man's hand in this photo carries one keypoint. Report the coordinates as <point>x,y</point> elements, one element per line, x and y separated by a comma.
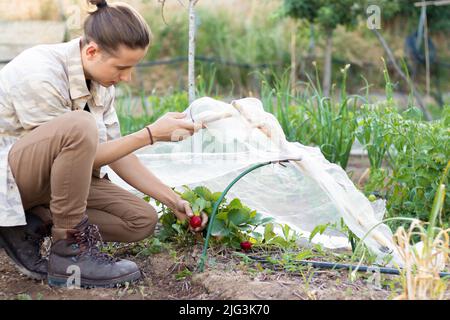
<point>173,126</point>
<point>183,211</point>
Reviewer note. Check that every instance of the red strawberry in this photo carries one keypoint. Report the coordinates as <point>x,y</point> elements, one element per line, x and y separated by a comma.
<point>246,245</point>
<point>195,222</point>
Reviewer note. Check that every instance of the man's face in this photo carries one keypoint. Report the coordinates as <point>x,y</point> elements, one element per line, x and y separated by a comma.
<point>110,69</point>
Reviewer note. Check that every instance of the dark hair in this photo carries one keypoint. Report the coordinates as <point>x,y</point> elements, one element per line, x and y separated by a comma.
<point>112,25</point>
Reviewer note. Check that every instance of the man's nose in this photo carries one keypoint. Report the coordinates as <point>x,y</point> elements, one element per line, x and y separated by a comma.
<point>126,76</point>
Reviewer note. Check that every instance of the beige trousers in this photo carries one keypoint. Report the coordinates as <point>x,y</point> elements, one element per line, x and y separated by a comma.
<point>53,168</point>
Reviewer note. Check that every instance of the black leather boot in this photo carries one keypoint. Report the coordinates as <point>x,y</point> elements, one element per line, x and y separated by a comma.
<point>23,243</point>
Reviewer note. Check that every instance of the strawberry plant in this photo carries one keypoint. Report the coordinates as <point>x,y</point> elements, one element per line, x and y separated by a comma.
<point>234,224</point>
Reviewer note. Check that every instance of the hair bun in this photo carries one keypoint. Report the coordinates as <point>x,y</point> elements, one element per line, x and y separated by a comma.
<point>99,3</point>
<point>102,4</point>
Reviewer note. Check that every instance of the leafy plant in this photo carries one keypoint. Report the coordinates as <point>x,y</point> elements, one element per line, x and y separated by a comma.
<point>419,152</point>
<point>233,224</point>
<point>277,99</point>
<point>185,273</point>
<point>416,152</point>
<point>340,227</point>
<point>373,134</point>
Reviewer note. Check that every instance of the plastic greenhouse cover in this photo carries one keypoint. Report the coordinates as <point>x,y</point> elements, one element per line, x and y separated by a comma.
<point>305,192</point>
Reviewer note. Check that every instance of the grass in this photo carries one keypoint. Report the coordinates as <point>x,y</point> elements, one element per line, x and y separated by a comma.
<point>135,114</point>
<point>311,118</point>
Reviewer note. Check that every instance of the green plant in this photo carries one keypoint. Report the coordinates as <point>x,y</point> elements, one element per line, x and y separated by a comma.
<point>185,273</point>
<point>373,134</point>
<point>340,227</point>
<point>286,240</point>
<point>335,123</point>
<point>418,154</point>
<point>415,151</point>
<point>133,118</point>
<point>206,83</point>
<point>316,120</point>
<point>233,224</point>
<point>277,99</point>
<point>147,247</point>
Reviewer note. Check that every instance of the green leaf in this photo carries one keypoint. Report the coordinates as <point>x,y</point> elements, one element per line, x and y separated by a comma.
<point>235,204</point>
<point>238,216</point>
<point>413,113</point>
<point>255,218</point>
<point>215,196</point>
<point>203,192</point>
<point>178,228</point>
<point>303,255</point>
<point>257,236</point>
<point>318,229</point>
<point>235,243</point>
<point>268,232</point>
<point>286,229</point>
<point>219,229</point>
<point>222,215</point>
<point>183,274</point>
<point>245,227</point>
<point>189,196</point>
<point>167,219</point>
<point>199,205</point>
<point>279,241</point>
<point>266,220</point>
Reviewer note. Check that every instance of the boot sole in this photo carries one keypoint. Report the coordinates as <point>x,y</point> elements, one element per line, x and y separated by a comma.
<point>61,281</point>
<point>31,274</point>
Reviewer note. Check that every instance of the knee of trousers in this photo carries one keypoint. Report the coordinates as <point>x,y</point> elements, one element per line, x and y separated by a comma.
<point>81,125</point>
<point>144,226</point>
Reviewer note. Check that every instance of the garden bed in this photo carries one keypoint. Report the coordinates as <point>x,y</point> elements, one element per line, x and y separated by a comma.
<point>229,279</point>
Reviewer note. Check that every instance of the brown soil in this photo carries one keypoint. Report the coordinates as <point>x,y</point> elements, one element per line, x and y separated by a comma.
<point>227,279</point>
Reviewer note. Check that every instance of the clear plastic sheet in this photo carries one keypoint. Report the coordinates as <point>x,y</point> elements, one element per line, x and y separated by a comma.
<point>305,192</point>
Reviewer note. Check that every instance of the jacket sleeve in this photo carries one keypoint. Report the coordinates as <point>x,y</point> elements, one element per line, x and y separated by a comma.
<point>111,120</point>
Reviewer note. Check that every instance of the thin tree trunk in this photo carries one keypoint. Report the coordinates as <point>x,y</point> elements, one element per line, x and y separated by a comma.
<point>327,65</point>
<point>191,54</point>
<point>427,53</point>
<point>402,75</point>
<point>293,61</point>
<point>312,42</point>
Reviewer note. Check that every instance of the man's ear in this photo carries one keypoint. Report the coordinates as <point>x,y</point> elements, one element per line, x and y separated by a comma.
<point>92,50</point>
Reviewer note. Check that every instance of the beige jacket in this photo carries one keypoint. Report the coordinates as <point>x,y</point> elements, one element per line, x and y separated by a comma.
<point>40,84</point>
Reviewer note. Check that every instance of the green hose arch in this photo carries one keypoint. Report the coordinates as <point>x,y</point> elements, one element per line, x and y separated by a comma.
<point>217,203</point>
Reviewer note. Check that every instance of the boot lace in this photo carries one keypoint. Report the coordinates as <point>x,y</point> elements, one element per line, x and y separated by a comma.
<point>89,240</point>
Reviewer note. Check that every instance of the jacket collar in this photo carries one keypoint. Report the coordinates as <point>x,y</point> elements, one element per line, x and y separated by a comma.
<point>77,81</point>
